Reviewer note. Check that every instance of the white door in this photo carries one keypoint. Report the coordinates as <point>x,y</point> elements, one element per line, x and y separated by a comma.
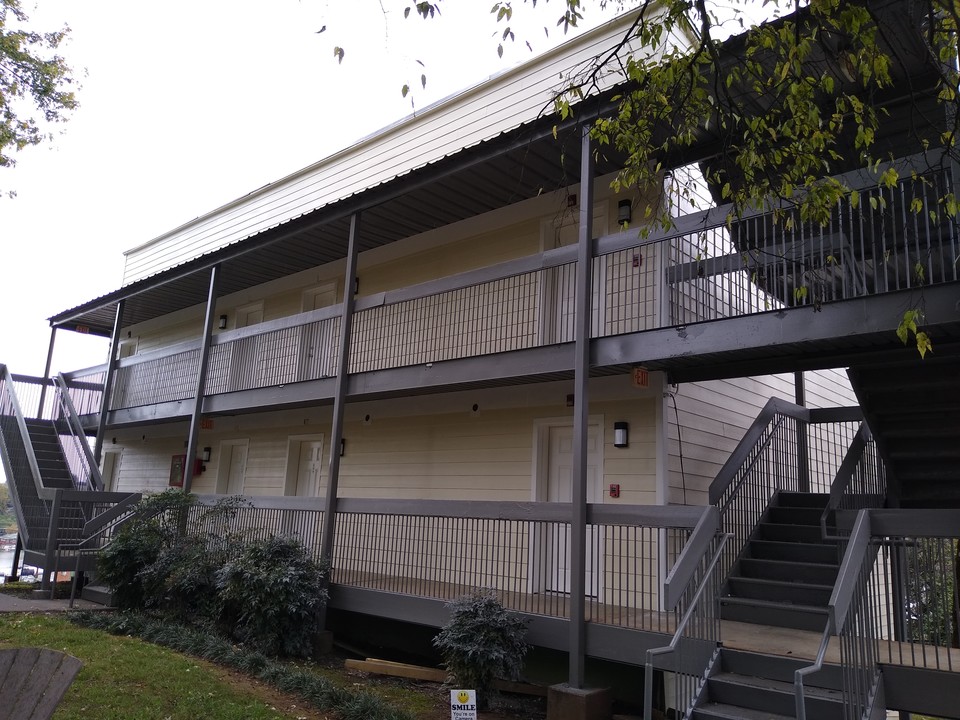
<point>559,489</point>
<point>309,469</point>
<point>234,464</point>
<point>560,284</point>
<point>316,344</point>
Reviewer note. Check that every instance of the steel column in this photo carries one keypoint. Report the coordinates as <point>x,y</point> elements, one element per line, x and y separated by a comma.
<point>581,411</point>
<point>803,454</point>
<point>108,383</point>
<point>201,379</point>
<point>46,370</point>
<point>339,393</point>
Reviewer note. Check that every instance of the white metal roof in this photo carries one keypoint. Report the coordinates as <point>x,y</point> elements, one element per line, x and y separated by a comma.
<point>500,104</point>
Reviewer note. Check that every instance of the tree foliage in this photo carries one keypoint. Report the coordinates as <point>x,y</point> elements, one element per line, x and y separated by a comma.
<point>774,100</point>
<point>36,84</point>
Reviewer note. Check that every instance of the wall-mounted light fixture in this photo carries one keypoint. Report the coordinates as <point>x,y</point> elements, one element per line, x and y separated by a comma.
<point>621,434</point>
<point>343,447</point>
<point>223,322</point>
<point>624,212</point>
<point>356,285</point>
<point>206,454</point>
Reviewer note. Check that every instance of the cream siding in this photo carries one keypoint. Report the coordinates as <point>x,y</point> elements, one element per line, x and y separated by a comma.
<point>487,455</point>
<point>504,102</point>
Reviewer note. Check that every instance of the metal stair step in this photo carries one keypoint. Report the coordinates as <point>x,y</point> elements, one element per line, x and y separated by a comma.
<point>795,515</point>
<point>807,500</point>
<point>792,593</point>
<point>779,667</point>
<point>793,551</point>
<point>773,696</point>
<point>782,532</point>
<point>789,571</point>
<point>774,614</point>
<point>720,711</point>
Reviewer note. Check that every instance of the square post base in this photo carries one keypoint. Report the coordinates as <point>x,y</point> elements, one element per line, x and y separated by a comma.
<point>569,703</point>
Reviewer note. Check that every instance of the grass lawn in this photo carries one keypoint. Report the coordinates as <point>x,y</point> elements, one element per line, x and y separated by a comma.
<point>127,679</point>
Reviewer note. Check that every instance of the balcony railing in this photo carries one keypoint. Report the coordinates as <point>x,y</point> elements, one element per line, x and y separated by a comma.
<point>707,267</point>
<point>444,549</point>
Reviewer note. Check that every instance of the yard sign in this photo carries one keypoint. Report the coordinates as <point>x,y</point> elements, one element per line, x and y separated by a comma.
<point>463,705</point>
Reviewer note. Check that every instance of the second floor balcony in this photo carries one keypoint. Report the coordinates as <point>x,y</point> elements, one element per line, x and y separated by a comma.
<point>789,292</point>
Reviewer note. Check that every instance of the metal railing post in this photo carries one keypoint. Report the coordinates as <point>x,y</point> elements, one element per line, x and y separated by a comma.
<point>108,384</point>
<point>188,469</point>
<point>328,528</point>
<point>46,371</point>
<point>581,412</point>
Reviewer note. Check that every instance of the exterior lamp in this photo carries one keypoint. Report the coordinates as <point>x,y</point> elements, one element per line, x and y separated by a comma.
<point>206,454</point>
<point>621,434</point>
<point>223,322</point>
<point>624,212</point>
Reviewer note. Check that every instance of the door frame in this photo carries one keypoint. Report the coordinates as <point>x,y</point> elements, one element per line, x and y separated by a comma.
<point>292,468</point>
<point>536,579</point>
<point>223,464</point>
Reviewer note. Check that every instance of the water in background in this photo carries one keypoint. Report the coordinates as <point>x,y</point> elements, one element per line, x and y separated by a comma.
<point>6,562</point>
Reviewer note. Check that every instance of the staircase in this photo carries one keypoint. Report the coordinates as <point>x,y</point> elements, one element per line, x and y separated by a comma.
<point>913,410</point>
<point>50,459</point>
<point>786,573</point>
<point>753,686</point>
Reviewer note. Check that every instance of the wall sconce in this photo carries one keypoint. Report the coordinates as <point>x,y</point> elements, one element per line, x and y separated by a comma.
<point>343,447</point>
<point>621,434</point>
<point>223,322</point>
<point>356,285</point>
<point>624,212</point>
<point>206,454</point>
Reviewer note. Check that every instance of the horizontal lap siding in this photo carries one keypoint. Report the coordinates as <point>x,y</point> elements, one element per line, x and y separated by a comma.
<point>713,416</point>
<point>461,456</point>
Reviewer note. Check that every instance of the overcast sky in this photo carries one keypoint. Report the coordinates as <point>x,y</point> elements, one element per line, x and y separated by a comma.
<point>188,104</point>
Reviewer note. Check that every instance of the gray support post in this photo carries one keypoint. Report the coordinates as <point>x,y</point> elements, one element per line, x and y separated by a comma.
<point>339,394</point>
<point>581,414</point>
<point>803,452</point>
<point>46,370</point>
<point>201,379</point>
<point>108,383</point>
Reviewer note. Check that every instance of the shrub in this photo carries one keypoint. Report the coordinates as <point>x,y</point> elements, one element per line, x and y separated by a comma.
<point>160,561</point>
<point>271,596</point>
<point>481,642</point>
<point>129,563</point>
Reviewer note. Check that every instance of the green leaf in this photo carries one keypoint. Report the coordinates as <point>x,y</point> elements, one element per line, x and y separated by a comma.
<point>923,344</point>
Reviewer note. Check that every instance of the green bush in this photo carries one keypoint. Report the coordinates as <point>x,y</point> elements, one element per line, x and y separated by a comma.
<point>130,564</point>
<point>271,596</point>
<point>481,642</point>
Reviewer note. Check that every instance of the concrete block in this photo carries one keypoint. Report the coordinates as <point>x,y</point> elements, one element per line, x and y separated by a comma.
<point>569,703</point>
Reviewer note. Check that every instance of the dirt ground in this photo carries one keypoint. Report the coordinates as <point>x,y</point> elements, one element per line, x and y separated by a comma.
<point>431,700</point>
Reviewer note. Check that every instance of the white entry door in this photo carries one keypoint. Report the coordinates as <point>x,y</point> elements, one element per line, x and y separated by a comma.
<point>233,468</point>
<point>559,488</point>
<point>309,469</point>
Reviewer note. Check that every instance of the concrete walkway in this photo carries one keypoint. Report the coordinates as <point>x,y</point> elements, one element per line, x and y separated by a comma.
<point>9,603</point>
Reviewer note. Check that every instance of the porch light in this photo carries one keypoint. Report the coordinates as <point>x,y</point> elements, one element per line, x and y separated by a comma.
<point>343,446</point>
<point>624,212</point>
<point>621,434</point>
<point>223,322</point>
<point>206,454</point>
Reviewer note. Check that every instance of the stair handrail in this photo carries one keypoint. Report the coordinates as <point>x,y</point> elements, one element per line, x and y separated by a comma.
<point>684,569</point>
<point>124,509</point>
<point>688,615</point>
<point>845,475</point>
<point>43,493</point>
<point>76,430</point>
<point>741,454</point>
<point>841,600</point>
